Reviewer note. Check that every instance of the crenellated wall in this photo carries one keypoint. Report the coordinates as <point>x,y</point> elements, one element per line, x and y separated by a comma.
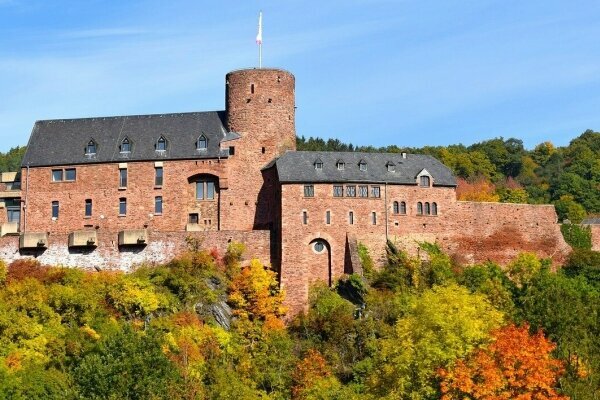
<point>161,247</point>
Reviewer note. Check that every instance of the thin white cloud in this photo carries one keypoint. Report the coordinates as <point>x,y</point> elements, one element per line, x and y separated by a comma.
<point>102,33</point>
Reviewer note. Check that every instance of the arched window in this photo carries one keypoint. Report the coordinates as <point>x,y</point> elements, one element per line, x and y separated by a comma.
<point>434,208</point>
<point>125,146</point>
<point>396,208</point>
<point>427,209</point>
<point>91,147</point>
<point>340,165</point>
<point>202,143</point>
<point>403,207</point>
<point>425,181</point>
<point>161,144</point>
<point>419,208</point>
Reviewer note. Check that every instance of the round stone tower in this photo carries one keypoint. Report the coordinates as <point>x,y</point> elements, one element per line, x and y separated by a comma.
<point>260,106</point>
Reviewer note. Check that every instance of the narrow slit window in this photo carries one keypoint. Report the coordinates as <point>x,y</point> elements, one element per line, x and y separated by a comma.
<point>403,207</point>
<point>351,218</point>
<point>396,208</point>
<point>434,209</point>
<point>305,217</point>
<point>328,217</point>
<point>374,218</point>
<point>55,209</point>
<point>122,206</point>
<point>158,205</point>
<point>419,208</point>
<point>158,176</point>
<point>88,207</point>
<point>122,177</point>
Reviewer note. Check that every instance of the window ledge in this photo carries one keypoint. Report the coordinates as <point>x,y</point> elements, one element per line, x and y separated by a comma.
<point>157,214</point>
<point>158,187</point>
<point>87,217</point>
<point>122,215</point>
<point>122,187</point>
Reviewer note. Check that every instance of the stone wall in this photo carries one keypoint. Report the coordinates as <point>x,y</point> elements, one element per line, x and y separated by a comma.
<point>470,232</point>
<point>595,237</point>
<point>161,247</point>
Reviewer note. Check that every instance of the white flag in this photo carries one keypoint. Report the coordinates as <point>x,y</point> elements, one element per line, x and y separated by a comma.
<point>259,36</point>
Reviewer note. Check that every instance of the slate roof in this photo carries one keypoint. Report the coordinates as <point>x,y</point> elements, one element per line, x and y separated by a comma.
<point>63,142</point>
<point>591,221</point>
<point>298,166</point>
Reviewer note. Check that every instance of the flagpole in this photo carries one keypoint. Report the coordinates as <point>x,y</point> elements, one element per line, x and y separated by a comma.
<point>260,55</point>
<point>259,40</point>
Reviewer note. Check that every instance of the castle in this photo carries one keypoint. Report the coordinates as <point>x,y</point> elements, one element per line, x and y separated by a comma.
<point>117,191</point>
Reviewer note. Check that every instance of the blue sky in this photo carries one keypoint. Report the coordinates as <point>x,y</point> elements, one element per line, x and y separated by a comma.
<point>378,72</point>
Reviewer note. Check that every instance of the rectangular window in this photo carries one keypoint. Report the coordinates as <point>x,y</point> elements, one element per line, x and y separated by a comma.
<point>338,191</point>
<point>231,150</point>
<point>374,218</point>
<point>123,177</point>
<point>309,191</point>
<point>200,190</point>
<point>351,191</point>
<point>351,218</point>
<point>193,218</point>
<point>122,206</point>
<point>210,190</point>
<point>328,217</point>
<point>57,175</point>
<point>13,215</point>
<point>363,191</point>
<point>88,207</point>
<point>158,205</point>
<point>425,181</point>
<point>375,191</point>
<point>304,217</point>
<point>55,209</point>
<point>158,176</point>
<point>70,174</point>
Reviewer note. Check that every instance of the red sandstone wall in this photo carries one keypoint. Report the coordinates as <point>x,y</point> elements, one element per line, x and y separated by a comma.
<point>471,232</point>
<point>265,119</point>
<point>161,248</point>
<point>595,237</point>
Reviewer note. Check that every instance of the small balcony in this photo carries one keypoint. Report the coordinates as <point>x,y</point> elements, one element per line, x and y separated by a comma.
<point>33,240</point>
<point>9,228</point>
<point>83,239</point>
<point>133,237</point>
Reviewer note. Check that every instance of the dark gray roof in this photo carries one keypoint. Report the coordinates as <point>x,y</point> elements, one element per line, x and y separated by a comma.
<point>591,221</point>
<point>63,142</point>
<point>298,166</point>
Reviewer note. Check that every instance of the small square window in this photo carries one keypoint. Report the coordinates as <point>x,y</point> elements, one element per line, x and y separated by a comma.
<point>351,191</point>
<point>70,174</point>
<point>318,166</point>
<point>309,191</point>
<point>340,166</point>
<point>363,191</point>
<point>375,191</point>
<point>193,218</point>
<point>338,191</point>
<point>362,166</point>
<point>57,175</point>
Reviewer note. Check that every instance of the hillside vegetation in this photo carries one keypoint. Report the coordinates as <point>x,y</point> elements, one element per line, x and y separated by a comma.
<point>503,170</point>
<point>205,327</point>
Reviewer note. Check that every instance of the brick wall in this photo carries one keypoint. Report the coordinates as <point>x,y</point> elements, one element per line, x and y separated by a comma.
<point>471,232</point>
<point>162,247</point>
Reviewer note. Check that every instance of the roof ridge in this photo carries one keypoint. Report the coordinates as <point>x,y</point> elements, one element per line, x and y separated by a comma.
<point>132,116</point>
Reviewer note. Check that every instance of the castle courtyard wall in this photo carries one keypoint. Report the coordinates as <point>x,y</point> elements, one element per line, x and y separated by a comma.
<point>470,232</point>
<point>162,247</point>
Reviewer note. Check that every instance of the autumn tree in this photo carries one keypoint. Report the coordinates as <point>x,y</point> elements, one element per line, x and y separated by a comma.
<point>480,189</point>
<point>515,366</point>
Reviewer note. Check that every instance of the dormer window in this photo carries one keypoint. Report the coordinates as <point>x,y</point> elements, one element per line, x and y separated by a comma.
<point>340,165</point>
<point>391,167</point>
<point>318,164</point>
<point>425,181</point>
<point>161,144</point>
<point>125,146</point>
<point>91,147</point>
<point>202,143</point>
<point>362,165</point>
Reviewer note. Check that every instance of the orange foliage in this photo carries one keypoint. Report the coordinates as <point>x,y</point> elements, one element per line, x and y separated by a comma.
<point>479,190</point>
<point>310,369</point>
<point>516,366</point>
